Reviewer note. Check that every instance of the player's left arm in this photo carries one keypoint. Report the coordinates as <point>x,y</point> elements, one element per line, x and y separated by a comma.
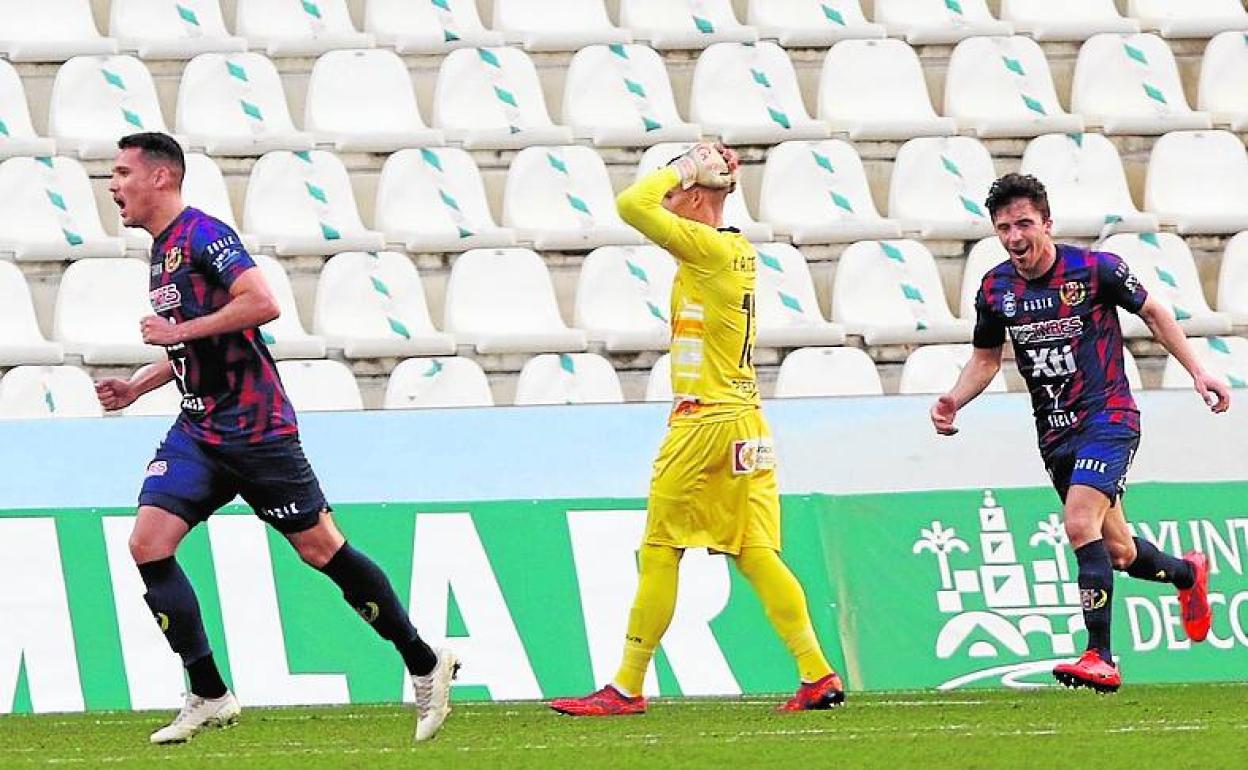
<point>1167,331</point>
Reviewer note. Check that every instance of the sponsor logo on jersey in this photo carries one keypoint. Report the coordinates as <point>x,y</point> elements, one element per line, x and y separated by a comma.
<point>755,454</point>
<point>1047,331</point>
<point>1124,274</point>
<point>1037,303</point>
<point>1073,293</point>
<point>173,258</point>
<point>165,297</point>
<point>1009,304</point>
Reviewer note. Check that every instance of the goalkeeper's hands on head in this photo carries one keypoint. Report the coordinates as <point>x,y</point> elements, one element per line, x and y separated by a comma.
<point>708,165</point>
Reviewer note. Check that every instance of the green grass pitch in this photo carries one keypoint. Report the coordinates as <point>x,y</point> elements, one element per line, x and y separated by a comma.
<point>1142,727</point>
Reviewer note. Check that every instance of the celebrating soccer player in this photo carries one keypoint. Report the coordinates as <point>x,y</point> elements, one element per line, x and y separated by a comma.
<point>236,434</point>
<point>1059,305</point>
<point>714,482</point>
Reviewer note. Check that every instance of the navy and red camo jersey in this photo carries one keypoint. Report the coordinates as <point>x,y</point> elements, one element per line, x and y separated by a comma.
<point>1066,336</point>
<point>231,392</point>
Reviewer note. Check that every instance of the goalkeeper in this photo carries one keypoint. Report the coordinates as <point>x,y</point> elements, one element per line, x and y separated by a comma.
<point>714,482</point>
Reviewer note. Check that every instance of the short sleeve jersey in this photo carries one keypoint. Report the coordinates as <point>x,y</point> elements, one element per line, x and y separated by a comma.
<point>231,391</point>
<point>1066,337</point>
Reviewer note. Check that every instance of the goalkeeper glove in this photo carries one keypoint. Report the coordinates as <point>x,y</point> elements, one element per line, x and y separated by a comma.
<point>707,165</point>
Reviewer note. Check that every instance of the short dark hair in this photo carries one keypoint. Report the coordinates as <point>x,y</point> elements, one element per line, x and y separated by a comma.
<point>1012,187</point>
<point>158,147</point>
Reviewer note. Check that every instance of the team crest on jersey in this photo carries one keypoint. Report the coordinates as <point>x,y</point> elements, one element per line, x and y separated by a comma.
<point>755,454</point>
<point>1073,293</point>
<point>173,259</point>
<point>1009,304</point>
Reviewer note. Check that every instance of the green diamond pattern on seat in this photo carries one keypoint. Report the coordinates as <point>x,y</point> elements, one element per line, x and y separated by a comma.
<point>619,50</point>
<point>950,166</point>
<point>770,261</point>
<point>1154,94</point>
<point>790,302</point>
<point>435,366</point>
<point>779,117</point>
<point>1013,65</point>
<point>822,162</point>
<point>303,155</point>
<point>1166,278</point>
<point>635,87</point>
<point>505,96</point>
<point>566,363</point>
<point>236,71</point>
<point>760,77</point>
<point>556,163</point>
<point>56,199</point>
<point>704,26</point>
<point>431,157</point>
<point>488,57</point>
<point>441,4</point>
<point>892,252</point>
<point>316,192</point>
<point>464,233</point>
<point>113,79</point>
<point>187,14</point>
<point>971,206</point>
<point>832,14</point>
<point>1180,314</point>
<point>954,6</point>
<point>251,110</point>
<point>3,128</point>
<point>1033,105</point>
<point>1236,382</point>
<point>1219,345</point>
<point>449,36</point>
<point>920,325</point>
<point>1135,53</point>
<point>448,200</point>
<point>45,160</point>
<point>841,201</point>
<point>131,118</point>
<point>311,9</point>
<point>379,286</point>
<point>267,338</point>
<point>398,328</point>
<point>636,271</point>
<point>578,204</point>
<point>48,400</point>
<point>911,292</point>
<point>329,233</point>
<point>1112,219</point>
<point>1151,240</point>
<point>650,125</point>
<point>72,238</point>
<point>1076,138</point>
<point>656,311</point>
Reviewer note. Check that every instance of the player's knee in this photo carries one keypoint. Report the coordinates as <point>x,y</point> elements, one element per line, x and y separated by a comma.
<point>146,549</point>
<point>316,554</point>
<point>1123,555</point>
<point>1081,528</point>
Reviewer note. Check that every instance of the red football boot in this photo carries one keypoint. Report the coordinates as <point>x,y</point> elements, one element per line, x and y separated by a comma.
<point>607,702</point>
<point>1194,601</point>
<point>815,696</point>
<point>1089,671</point>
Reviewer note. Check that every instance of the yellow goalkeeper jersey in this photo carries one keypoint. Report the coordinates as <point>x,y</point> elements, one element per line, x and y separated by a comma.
<point>712,308</point>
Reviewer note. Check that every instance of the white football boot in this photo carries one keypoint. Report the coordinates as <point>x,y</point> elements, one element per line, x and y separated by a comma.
<point>199,713</point>
<point>433,695</point>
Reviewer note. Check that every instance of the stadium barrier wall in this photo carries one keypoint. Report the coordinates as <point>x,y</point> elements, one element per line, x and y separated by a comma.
<point>928,562</point>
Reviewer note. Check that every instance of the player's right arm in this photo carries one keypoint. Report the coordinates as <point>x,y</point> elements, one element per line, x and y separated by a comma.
<point>989,339</point>
<point>117,394</point>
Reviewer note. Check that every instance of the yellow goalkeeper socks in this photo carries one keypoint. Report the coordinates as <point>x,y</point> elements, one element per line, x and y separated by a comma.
<point>785,603</point>
<point>652,612</point>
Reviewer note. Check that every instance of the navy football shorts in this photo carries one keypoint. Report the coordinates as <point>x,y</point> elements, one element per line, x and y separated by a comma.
<point>1097,456</point>
<point>192,480</point>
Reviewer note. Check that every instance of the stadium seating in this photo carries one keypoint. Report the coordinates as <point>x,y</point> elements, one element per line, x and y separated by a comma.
<point>1164,264</point>
<point>810,23</point>
<point>568,378</point>
<point>620,95</point>
<point>1065,20</point>
<point>167,29</point>
<point>503,301</point>
<point>234,104</point>
<point>98,99</point>
<point>425,28</point>
<point>935,368</point>
<point>98,308</point>
<point>1223,89</point>
<point>623,297</point>
<point>684,23</point>
<point>939,185</point>
<point>305,28</point>
<point>1002,86</point>
<point>302,203</point>
<point>50,30</point>
<point>736,214</point>
<point>1129,84</point>
<point>491,98</point>
<point>47,212</point>
<point>362,101</point>
<point>285,335</point>
<point>659,383</point>
<point>985,255</point>
<point>748,94</point>
<point>1198,182</point>
<point>372,305</point>
<point>434,200</point>
<point>874,89</point>
<point>561,198</point>
<point>890,292</point>
<point>938,21</point>
<point>423,383</point>
<point>1224,357</point>
<point>21,341</point>
<point>1233,280</point>
<point>1190,18</point>
<point>1087,186</point>
<point>165,400</point>
<point>320,386</point>
<point>816,192</point>
<point>786,307</point>
<point>1133,370</point>
<point>828,372</point>
<point>557,25</point>
<point>17,133</point>
<point>28,392</point>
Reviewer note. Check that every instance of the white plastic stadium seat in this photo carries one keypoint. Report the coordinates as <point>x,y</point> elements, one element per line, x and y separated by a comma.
<point>620,95</point>
<point>985,255</point>
<point>424,383</point>
<point>432,27</point>
<point>165,400</point>
<point>98,308</point>
<point>31,392</point>
<point>171,29</point>
<point>362,101</point>
<point>96,100</point>
<point>890,292</point>
<point>1133,371</point>
<point>1233,280</point>
<point>811,23</point>
<point>938,21</point>
<point>503,301</point>
<point>684,23</point>
<point>828,372</point>
<point>939,185</point>
<point>302,203</point>
<point>1198,182</point>
<point>736,214</point>
<point>491,98</point>
<point>748,94</point>
<point>1065,20</point>
<point>557,25</point>
<point>285,335</point>
<point>1164,264</point>
<point>21,341</point>
<point>233,104</point>
<point>935,368</point>
<point>1002,86</point>
<point>1223,87</point>
<point>874,89</point>
<point>568,378</point>
<point>659,383</point>
<point>372,305</point>
<point>320,386</point>
<point>50,30</point>
<point>561,198</point>
<point>17,133</point>
<point>47,212</point>
<point>786,305</point>
<point>434,200</point>
<point>1224,357</point>
<point>1190,18</point>
<point>816,192</point>
<point>1087,186</point>
<point>1129,84</point>
<point>302,28</point>
<point>623,297</point>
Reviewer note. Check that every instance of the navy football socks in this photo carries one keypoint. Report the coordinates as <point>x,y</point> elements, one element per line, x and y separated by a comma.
<point>1096,592</point>
<point>1151,563</point>
<point>173,603</point>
